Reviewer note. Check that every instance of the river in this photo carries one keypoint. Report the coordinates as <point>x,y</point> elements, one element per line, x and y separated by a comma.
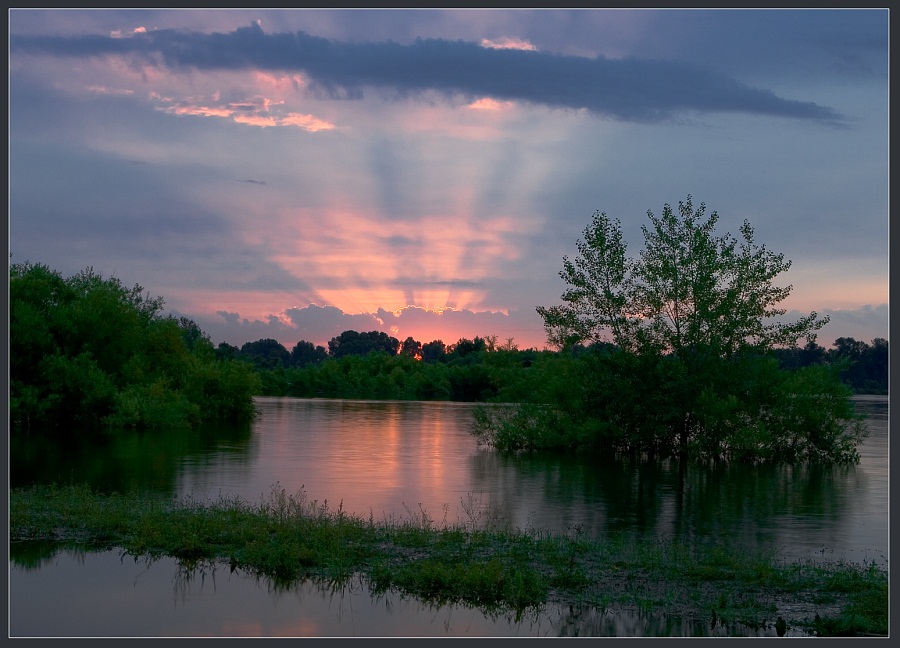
<point>393,460</point>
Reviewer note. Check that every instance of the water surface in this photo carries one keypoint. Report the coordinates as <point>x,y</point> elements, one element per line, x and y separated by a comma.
<point>394,460</point>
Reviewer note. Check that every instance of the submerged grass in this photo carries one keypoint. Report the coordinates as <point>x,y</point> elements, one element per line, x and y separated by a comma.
<point>290,538</point>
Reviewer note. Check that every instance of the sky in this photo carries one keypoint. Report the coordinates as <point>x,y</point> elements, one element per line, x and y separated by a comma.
<point>292,174</point>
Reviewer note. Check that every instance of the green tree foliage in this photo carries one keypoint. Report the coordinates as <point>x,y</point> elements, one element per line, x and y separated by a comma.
<point>305,353</point>
<point>864,367</point>
<point>693,322</point>
<point>466,350</point>
<point>266,353</point>
<point>688,290</point>
<point>433,351</point>
<point>227,351</point>
<point>411,347</point>
<point>355,343</point>
<point>478,375</point>
<point>87,350</point>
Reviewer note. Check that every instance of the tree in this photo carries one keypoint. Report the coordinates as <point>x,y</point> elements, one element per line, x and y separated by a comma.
<point>433,351</point>
<point>305,353</point>
<point>509,345</point>
<point>192,335</point>
<point>465,347</point>
<point>227,351</point>
<point>355,343</point>
<point>693,321</point>
<point>876,359</point>
<point>863,367</point>
<point>688,290</point>
<point>412,348</point>
<point>89,351</point>
<point>266,353</point>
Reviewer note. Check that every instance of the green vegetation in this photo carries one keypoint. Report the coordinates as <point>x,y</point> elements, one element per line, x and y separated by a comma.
<point>477,376</point>
<point>289,538</point>
<point>87,351</point>
<point>691,366</point>
<point>471,370</point>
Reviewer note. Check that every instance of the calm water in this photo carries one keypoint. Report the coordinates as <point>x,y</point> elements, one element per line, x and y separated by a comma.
<point>395,459</point>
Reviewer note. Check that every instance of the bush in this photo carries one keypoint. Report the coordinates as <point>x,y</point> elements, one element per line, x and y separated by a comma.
<point>90,351</point>
<point>745,408</point>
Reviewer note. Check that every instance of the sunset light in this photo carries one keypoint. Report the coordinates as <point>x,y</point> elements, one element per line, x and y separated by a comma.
<point>385,322</point>
<point>275,163</point>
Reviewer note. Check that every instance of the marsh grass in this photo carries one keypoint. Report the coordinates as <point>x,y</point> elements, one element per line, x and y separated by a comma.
<point>478,562</point>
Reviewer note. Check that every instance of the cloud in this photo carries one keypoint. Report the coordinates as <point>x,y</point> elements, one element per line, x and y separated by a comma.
<point>629,89</point>
<point>99,89</point>
<point>253,111</point>
<point>318,324</point>
<point>507,43</point>
<point>865,323</point>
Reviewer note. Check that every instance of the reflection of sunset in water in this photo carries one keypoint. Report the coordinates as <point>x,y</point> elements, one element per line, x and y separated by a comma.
<point>394,459</point>
<point>370,458</point>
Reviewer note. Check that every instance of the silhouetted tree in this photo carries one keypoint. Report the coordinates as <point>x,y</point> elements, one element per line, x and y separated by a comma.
<point>465,347</point>
<point>355,343</point>
<point>305,353</point>
<point>191,334</point>
<point>433,351</point>
<point>227,351</point>
<point>876,361</point>
<point>266,353</point>
<point>798,357</point>
<point>863,367</point>
<point>411,347</point>
<point>509,345</point>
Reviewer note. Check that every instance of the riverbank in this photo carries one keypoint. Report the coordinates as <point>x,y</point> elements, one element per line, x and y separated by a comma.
<point>288,538</point>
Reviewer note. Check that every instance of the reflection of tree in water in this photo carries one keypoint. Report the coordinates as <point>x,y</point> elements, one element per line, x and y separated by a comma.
<point>123,460</point>
<point>736,503</point>
<point>31,555</point>
<point>589,621</point>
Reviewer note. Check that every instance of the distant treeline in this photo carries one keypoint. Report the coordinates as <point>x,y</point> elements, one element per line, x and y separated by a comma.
<point>863,367</point>
<point>376,365</point>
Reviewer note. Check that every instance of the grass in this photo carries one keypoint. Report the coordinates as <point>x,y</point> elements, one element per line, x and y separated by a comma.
<point>289,538</point>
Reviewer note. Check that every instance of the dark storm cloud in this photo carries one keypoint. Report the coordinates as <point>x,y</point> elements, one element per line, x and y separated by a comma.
<point>628,89</point>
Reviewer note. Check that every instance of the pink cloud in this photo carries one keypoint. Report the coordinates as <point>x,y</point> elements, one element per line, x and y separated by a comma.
<point>256,111</point>
<point>283,83</point>
<point>200,110</point>
<point>508,43</point>
<point>306,122</point>
<point>255,120</point>
<point>486,103</point>
<point>99,89</point>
